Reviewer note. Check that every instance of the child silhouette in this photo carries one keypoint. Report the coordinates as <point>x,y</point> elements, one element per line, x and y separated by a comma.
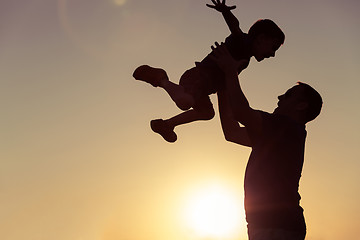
<point>192,93</point>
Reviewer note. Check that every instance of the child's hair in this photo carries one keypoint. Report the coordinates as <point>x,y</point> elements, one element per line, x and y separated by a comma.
<point>267,27</point>
<point>314,100</point>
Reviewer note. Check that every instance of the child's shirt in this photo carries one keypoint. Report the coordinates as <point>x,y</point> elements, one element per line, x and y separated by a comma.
<point>239,48</point>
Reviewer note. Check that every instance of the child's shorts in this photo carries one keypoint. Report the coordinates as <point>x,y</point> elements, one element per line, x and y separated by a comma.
<point>200,82</point>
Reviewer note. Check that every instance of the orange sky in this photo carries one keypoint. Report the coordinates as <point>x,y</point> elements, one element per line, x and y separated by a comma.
<point>78,158</point>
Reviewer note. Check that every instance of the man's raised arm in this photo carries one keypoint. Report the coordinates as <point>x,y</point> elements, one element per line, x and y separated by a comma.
<point>230,19</point>
<point>233,132</point>
<point>240,107</point>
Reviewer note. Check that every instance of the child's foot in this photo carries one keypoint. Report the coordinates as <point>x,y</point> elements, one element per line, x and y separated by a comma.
<point>161,127</point>
<point>151,75</point>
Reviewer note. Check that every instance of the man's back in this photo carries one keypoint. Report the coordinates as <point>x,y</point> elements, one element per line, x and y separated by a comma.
<point>273,173</point>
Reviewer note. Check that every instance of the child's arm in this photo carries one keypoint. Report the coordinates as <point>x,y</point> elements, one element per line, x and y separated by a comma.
<point>230,19</point>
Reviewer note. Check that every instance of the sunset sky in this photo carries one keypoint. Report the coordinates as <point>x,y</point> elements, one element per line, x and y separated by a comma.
<point>78,158</point>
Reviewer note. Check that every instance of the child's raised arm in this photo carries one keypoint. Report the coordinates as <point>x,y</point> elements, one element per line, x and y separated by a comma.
<point>230,19</point>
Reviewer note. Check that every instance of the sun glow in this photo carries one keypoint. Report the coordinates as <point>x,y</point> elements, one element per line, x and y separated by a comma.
<point>214,212</point>
<point>119,2</point>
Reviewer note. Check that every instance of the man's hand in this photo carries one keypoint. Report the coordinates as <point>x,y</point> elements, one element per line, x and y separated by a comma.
<point>224,60</point>
<point>220,6</point>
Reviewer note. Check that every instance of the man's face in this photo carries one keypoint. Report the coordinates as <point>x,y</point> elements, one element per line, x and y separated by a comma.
<point>289,101</point>
<point>265,47</point>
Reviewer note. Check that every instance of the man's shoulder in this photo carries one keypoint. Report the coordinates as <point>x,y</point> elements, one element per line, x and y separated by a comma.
<point>275,123</point>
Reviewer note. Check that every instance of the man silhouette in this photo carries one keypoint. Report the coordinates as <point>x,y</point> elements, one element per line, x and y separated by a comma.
<point>272,201</point>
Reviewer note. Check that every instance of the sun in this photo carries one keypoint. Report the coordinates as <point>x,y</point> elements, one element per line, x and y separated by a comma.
<point>214,212</point>
<point>119,2</point>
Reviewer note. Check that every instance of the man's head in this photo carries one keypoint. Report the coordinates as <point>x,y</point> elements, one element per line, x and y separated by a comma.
<point>266,38</point>
<point>301,102</point>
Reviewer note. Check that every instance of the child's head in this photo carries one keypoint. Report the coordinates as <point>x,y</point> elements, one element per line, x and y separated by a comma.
<point>266,38</point>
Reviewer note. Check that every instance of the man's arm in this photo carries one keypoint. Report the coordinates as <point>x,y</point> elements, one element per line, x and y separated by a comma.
<point>241,109</point>
<point>233,132</point>
<point>230,19</point>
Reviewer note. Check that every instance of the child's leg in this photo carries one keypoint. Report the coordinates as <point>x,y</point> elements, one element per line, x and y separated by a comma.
<point>203,111</point>
<point>157,77</point>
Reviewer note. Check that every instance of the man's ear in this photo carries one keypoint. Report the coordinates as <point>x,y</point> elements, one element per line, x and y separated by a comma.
<point>260,38</point>
<point>301,106</point>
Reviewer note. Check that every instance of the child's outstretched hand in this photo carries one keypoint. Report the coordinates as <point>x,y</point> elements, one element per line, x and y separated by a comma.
<point>220,6</point>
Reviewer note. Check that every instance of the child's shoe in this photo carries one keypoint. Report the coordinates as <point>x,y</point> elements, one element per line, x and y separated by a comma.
<point>161,127</point>
<point>150,75</point>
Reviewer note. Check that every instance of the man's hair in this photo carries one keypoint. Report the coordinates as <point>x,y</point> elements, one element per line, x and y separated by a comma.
<point>268,28</point>
<point>314,100</point>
